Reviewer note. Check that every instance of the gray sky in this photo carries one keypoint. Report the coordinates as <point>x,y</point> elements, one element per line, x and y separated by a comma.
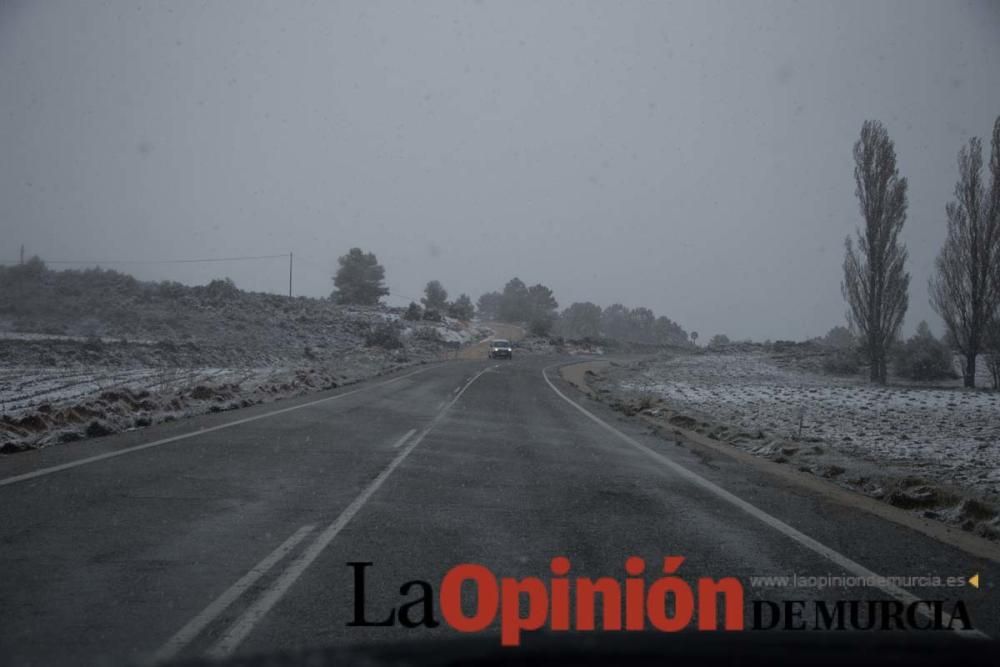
<point>694,157</point>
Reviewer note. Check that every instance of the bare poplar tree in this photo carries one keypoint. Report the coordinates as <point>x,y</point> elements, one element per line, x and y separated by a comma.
<point>965,292</point>
<point>876,285</point>
<point>994,329</point>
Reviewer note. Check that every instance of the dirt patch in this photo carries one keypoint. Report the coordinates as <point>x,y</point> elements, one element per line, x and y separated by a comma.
<point>683,421</point>
<point>579,374</point>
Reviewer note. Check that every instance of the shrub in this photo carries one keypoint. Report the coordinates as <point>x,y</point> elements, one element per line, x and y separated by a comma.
<point>432,315</point>
<point>436,296</point>
<point>384,335</point>
<point>540,326</point>
<point>839,337</point>
<point>428,334</point>
<point>413,312</point>
<point>842,362</point>
<point>718,340</point>
<point>462,308</point>
<point>924,357</point>
<point>222,289</point>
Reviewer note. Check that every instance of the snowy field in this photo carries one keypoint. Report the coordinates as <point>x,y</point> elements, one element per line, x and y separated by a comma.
<point>24,388</point>
<point>942,436</point>
<point>955,432</point>
<point>46,406</point>
<point>85,390</point>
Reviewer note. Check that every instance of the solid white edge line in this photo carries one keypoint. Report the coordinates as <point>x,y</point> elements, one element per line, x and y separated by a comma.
<point>406,436</point>
<point>854,567</point>
<point>238,631</point>
<point>128,450</point>
<point>189,632</point>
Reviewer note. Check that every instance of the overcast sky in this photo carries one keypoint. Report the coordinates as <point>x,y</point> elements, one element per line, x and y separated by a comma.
<point>694,158</point>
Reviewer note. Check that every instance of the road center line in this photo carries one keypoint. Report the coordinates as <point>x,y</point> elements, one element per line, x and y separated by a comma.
<point>406,436</point>
<point>238,631</point>
<point>843,561</point>
<point>108,455</point>
<point>187,634</point>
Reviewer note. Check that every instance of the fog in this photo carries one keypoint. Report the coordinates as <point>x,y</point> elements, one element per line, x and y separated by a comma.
<point>694,158</point>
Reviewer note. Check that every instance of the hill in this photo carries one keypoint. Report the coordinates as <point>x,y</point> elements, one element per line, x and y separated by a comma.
<point>96,351</point>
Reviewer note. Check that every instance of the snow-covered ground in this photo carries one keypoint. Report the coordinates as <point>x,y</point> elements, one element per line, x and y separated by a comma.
<point>23,388</point>
<point>17,335</point>
<point>85,353</point>
<point>44,406</point>
<point>78,389</point>
<point>449,330</point>
<point>940,436</point>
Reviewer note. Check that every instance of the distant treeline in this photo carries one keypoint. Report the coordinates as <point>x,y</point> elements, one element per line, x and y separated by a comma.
<point>35,296</point>
<point>537,307</point>
<point>32,289</point>
<point>95,301</point>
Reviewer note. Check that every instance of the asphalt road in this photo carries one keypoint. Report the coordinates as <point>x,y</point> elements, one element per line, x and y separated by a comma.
<point>231,533</point>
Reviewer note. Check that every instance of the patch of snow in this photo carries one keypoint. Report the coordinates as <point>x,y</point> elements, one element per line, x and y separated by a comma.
<point>949,434</point>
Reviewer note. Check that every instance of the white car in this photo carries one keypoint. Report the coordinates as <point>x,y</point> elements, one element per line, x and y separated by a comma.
<point>501,349</point>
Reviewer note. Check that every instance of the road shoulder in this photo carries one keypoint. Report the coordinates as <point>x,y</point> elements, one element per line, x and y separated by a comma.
<point>577,374</point>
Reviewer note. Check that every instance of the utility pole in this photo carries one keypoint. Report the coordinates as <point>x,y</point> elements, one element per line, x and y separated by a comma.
<point>289,275</point>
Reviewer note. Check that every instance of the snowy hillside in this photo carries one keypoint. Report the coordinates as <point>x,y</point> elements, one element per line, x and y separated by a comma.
<point>93,352</point>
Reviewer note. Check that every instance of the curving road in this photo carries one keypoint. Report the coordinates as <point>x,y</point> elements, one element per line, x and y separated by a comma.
<point>230,533</point>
